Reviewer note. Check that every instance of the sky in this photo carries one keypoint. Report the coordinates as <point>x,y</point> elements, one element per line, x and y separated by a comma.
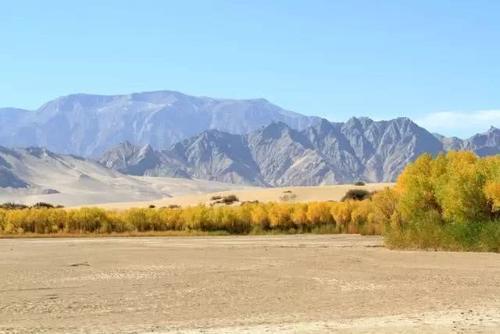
<point>435,61</point>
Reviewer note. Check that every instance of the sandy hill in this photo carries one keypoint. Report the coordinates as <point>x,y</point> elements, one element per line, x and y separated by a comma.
<point>33,175</point>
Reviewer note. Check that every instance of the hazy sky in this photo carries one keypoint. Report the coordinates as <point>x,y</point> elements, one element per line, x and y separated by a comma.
<point>436,61</point>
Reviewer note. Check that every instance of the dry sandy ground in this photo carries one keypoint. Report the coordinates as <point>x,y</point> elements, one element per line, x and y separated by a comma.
<point>99,188</point>
<point>301,194</point>
<point>265,284</point>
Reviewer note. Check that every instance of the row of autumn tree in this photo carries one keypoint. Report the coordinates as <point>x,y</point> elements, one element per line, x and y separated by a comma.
<point>449,202</point>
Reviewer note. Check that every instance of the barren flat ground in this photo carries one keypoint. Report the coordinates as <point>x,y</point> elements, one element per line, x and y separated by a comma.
<point>243,284</point>
<point>300,194</point>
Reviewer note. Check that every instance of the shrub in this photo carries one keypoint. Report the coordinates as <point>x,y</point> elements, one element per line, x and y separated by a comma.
<point>318,213</point>
<point>287,196</point>
<point>249,202</point>
<point>227,200</point>
<point>43,205</point>
<point>13,206</point>
<point>259,218</point>
<point>359,222</point>
<point>356,195</point>
<point>299,216</point>
<point>230,199</point>
<point>359,183</point>
<point>489,238</point>
<point>280,217</point>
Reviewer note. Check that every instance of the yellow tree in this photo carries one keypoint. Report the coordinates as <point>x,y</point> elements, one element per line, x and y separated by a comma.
<point>416,192</point>
<point>491,169</point>
<point>318,213</point>
<point>462,196</point>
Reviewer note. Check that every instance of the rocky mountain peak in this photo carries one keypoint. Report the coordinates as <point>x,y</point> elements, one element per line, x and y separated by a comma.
<point>326,152</point>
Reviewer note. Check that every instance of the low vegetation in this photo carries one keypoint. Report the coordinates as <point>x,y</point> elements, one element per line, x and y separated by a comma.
<point>250,217</point>
<point>356,195</point>
<point>39,205</point>
<point>450,202</point>
<point>288,196</point>
<point>225,200</point>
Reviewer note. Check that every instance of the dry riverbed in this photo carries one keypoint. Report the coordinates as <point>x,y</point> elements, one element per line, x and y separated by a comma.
<point>264,284</point>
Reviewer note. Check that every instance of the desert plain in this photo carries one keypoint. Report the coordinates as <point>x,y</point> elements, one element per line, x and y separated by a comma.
<point>203,195</point>
<point>243,284</point>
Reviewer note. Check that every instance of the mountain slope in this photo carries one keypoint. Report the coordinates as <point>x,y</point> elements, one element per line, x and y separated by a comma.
<point>87,125</point>
<point>325,153</point>
<point>130,158</point>
<point>215,155</point>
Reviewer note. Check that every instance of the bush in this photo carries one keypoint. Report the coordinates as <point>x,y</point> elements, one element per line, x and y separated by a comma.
<point>13,206</point>
<point>356,195</point>
<point>250,202</point>
<point>227,200</point>
<point>318,213</point>
<point>489,238</point>
<point>359,183</point>
<point>230,199</point>
<point>42,205</point>
<point>288,196</point>
<point>39,205</point>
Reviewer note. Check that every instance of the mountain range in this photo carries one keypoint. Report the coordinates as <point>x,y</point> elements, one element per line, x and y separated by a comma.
<point>278,155</point>
<point>87,125</point>
<point>171,134</point>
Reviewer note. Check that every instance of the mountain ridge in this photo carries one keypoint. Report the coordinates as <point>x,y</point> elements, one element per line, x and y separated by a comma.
<point>325,153</point>
<point>249,141</point>
<point>88,124</point>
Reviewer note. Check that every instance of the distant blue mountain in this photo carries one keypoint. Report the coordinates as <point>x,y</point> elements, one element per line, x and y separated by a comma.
<point>88,125</point>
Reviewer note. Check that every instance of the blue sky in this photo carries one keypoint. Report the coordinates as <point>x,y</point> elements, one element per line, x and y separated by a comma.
<point>436,61</point>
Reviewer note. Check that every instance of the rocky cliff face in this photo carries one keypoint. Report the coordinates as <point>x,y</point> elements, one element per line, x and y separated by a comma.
<point>135,160</point>
<point>278,155</point>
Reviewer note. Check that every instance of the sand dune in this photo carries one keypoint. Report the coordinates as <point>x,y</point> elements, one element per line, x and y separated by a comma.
<point>92,190</point>
<point>70,180</point>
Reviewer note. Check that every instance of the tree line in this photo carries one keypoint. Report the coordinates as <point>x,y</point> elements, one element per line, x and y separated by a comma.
<point>449,202</point>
